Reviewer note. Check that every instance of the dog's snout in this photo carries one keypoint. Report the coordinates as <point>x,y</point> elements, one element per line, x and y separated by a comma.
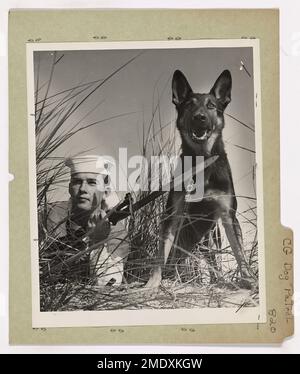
<point>200,117</point>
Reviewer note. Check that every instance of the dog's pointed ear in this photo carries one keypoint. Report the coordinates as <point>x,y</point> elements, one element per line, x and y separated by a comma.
<point>222,88</point>
<point>181,90</point>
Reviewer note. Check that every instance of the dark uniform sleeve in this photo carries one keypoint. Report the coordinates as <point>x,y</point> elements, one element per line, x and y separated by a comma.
<point>57,245</point>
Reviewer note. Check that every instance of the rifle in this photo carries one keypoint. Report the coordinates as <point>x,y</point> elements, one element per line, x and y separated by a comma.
<point>125,208</point>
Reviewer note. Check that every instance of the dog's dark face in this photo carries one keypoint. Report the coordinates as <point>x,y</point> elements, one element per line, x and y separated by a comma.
<point>200,115</point>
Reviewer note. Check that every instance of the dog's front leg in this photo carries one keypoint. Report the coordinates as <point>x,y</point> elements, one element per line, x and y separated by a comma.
<point>211,242</point>
<point>165,246</point>
<point>234,235</point>
<point>167,236</point>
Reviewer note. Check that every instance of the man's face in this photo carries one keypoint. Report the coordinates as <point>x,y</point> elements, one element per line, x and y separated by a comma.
<point>86,190</point>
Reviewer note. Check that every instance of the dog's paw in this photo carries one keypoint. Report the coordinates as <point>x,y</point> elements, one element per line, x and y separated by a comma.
<point>152,284</point>
<point>154,280</point>
<point>247,283</point>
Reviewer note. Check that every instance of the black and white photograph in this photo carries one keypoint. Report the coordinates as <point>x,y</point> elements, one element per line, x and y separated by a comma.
<point>146,183</point>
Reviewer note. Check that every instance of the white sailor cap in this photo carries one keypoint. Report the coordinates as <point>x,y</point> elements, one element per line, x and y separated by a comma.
<point>89,164</point>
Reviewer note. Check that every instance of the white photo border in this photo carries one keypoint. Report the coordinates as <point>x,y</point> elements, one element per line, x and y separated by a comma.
<point>145,317</point>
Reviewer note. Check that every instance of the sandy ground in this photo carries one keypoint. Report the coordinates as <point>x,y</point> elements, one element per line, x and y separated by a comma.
<point>169,296</point>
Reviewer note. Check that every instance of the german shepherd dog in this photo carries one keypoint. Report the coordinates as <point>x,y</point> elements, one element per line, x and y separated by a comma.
<point>200,121</point>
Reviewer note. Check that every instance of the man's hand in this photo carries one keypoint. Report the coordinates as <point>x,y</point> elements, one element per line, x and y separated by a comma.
<point>101,231</point>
